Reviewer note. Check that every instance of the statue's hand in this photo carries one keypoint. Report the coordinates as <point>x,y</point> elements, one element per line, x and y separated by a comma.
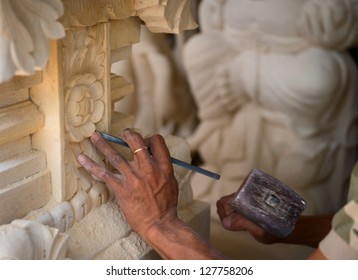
<point>230,99</point>
<point>329,23</point>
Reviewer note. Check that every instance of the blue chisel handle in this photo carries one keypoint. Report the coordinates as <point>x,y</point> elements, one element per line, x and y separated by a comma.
<point>175,161</point>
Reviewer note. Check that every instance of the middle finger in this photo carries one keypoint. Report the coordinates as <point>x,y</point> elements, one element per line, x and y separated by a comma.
<point>114,158</point>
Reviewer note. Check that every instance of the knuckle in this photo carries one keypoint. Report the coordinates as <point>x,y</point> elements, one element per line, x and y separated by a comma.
<point>129,133</point>
<point>104,176</point>
<point>168,169</point>
<point>157,136</point>
<point>115,158</point>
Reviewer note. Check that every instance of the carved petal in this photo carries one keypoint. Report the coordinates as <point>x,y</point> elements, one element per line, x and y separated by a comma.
<point>86,79</point>
<point>96,90</point>
<point>22,57</point>
<point>57,6</point>
<point>7,67</point>
<point>97,115</point>
<point>87,147</point>
<point>71,183</point>
<point>72,109</point>
<point>81,204</point>
<point>85,180</point>
<point>75,134</point>
<point>63,216</point>
<point>78,93</point>
<point>75,121</point>
<point>26,27</point>
<point>98,194</point>
<point>87,129</point>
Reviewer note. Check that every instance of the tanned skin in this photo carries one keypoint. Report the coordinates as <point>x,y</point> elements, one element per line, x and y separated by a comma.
<point>147,193</point>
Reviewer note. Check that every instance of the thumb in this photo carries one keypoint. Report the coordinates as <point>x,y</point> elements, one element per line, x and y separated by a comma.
<point>232,222</point>
<point>226,222</point>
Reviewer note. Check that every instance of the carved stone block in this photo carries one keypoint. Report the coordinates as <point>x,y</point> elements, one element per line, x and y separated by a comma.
<point>25,195</point>
<point>46,120</point>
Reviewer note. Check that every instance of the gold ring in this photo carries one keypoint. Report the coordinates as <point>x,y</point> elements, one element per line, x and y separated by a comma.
<point>139,149</point>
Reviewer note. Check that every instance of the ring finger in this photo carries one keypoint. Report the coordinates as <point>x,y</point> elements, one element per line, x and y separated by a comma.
<point>137,145</point>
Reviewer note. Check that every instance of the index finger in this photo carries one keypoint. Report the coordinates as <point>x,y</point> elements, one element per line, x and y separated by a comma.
<point>116,160</point>
<point>98,171</point>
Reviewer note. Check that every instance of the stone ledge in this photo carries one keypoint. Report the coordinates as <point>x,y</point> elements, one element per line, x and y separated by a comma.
<point>21,166</point>
<point>19,120</point>
<point>23,196</point>
<point>107,238</point>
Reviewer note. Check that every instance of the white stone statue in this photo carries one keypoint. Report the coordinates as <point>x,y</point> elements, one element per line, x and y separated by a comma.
<point>276,90</point>
<point>162,102</point>
<point>27,49</point>
<point>28,240</point>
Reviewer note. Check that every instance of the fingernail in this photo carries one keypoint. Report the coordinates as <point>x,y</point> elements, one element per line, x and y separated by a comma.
<point>124,133</point>
<point>81,158</point>
<point>126,130</point>
<point>95,136</point>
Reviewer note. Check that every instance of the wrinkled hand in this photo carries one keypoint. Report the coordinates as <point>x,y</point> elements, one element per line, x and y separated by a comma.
<point>237,222</point>
<point>145,188</point>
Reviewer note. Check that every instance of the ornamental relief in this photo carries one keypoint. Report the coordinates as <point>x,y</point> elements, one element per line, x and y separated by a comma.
<point>72,93</point>
<point>84,106</point>
<point>25,30</point>
<point>84,110</point>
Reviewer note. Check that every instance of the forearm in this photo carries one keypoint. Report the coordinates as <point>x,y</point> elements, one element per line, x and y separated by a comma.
<point>309,230</point>
<point>175,240</point>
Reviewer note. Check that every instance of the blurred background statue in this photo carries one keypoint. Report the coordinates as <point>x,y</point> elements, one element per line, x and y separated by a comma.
<point>162,102</point>
<point>276,90</point>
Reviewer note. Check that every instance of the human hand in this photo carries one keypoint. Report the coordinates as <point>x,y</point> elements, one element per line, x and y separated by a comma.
<point>145,188</point>
<point>236,222</point>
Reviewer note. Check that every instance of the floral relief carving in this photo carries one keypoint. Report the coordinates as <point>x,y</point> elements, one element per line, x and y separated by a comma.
<point>85,107</point>
<point>76,177</point>
<point>73,95</point>
<point>83,53</point>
